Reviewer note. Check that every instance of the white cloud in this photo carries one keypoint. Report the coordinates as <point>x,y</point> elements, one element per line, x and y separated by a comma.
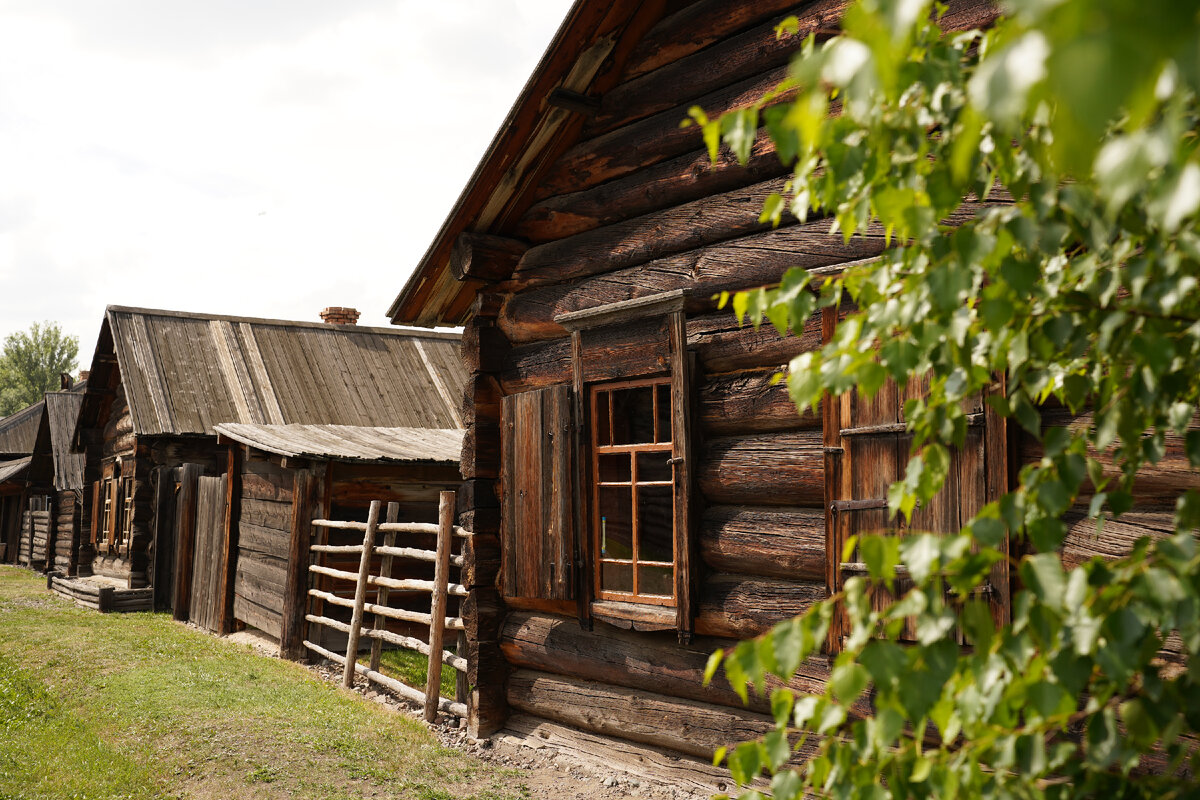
<point>244,157</point>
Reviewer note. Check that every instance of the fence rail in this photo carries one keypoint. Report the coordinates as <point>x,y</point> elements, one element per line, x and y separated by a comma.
<point>436,620</point>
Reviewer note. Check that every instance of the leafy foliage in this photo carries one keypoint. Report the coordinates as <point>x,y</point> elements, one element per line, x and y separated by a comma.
<point>1067,137</point>
<point>31,363</point>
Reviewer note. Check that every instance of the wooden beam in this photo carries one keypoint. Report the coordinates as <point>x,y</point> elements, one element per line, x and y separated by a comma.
<point>437,630</point>
<point>484,257</point>
<point>229,554</point>
<point>576,102</point>
<point>295,599</point>
<point>185,540</point>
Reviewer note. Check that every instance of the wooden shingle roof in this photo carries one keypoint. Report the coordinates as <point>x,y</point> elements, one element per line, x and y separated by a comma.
<point>54,439</point>
<point>349,443</point>
<point>18,431</point>
<point>184,373</point>
<point>11,470</point>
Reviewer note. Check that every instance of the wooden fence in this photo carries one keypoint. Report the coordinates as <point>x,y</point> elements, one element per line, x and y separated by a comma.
<point>439,589</point>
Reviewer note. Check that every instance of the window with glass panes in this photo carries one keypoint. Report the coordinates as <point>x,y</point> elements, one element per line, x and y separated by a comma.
<point>633,491</point>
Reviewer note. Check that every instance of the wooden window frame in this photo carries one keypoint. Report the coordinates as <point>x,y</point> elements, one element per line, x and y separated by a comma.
<point>632,450</point>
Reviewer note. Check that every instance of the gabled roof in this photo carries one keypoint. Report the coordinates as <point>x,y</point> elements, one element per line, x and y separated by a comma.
<point>53,460</point>
<point>11,470</point>
<point>183,373</point>
<point>349,443</point>
<point>584,59</point>
<point>18,431</point>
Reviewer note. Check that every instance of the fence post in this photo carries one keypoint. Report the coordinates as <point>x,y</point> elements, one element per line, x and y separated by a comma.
<point>381,595</point>
<point>360,595</point>
<point>437,624</point>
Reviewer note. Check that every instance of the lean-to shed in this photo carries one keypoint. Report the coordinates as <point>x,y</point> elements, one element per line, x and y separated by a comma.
<point>292,474</point>
<point>18,432</point>
<point>161,381</point>
<point>640,490</point>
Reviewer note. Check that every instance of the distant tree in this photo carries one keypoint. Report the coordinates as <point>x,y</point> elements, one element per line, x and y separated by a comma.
<point>31,363</point>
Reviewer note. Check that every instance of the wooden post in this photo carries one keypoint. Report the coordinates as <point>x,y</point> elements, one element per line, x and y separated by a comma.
<point>104,598</point>
<point>229,554</point>
<point>185,540</point>
<point>360,595</point>
<point>295,595</point>
<point>381,593</point>
<point>437,626</point>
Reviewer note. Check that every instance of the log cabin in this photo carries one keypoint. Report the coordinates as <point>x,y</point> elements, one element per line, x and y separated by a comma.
<point>56,474</point>
<point>289,475</point>
<point>18,432</point>
<point>160,382</point>
<point>639,487</point>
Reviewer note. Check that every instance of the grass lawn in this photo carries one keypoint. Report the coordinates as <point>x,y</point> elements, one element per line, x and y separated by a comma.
<point>137,706</point>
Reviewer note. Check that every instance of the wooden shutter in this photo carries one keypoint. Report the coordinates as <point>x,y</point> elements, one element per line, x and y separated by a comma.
<point>537,527</point>
<point>867,451</point>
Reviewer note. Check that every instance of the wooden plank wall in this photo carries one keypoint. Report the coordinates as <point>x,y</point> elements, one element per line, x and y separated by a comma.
<point>207,561</point>
<point>264,533</point>
<point>635,208</point>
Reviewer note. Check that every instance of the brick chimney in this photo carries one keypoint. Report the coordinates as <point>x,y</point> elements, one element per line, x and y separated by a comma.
<point>83,374</point>
<point>336,315</point>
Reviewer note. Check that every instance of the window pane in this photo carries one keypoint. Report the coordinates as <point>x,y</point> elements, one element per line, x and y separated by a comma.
<point>633,415</point>
<point>664,412</point>
<point>656,580</point>
<point>615,468</point>
<point>616,528</point>
<point>616,577</point>
<point>656,518</point>
<point>654,466</point>
<point>601,421</point>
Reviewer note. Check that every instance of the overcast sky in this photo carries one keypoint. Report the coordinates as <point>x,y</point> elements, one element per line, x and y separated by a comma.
<point>252,157</point>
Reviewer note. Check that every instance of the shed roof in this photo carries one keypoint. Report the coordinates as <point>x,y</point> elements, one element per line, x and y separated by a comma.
<point>10,470</point>
<point>18,431</point>
<point>183,373</point>
<point>348,442</point>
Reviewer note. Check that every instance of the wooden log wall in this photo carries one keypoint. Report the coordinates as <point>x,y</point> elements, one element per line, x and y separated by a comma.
<point>66,531</point>
<point>633,208</point>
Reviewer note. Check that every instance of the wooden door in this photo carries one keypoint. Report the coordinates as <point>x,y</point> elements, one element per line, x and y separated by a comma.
<point>208,553</point>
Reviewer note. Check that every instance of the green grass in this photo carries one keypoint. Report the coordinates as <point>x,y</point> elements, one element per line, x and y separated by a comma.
<point>412,668</point>
<point>136,706</point>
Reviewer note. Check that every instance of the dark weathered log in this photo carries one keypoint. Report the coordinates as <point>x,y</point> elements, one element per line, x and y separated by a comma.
<point>650,140</point>
<point>481,398</point>
<point>766,469</point>
<point>653,662</point>
<point>483,346</point>
<point>736,58</point>
<point>771,542</point>
<point>698,25</point>
<point>636,241</point>
<point>480,454</point>
<point>1155,484</point>
<point>1117,536</point>
<point>480,521</point>
<point>484,257</point>
<point>750,402</point>
<point>477,493</point>
<point>274,514</point>
<point>481,561</point>
<point>739,606</point>
<point>741,263</point>
<point>722,345</point>
<point>609,354</point>
<point>293,628</point>
<point>678,180</point>
<point>487,708</point>
<point>683,725</point>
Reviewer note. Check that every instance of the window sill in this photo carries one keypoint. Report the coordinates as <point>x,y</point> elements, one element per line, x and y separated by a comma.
<point>634,616</point>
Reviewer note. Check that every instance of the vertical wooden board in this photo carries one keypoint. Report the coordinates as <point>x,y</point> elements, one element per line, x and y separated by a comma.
<point>536,523</point>
<point>685,525</point>
<point>207,562</point>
